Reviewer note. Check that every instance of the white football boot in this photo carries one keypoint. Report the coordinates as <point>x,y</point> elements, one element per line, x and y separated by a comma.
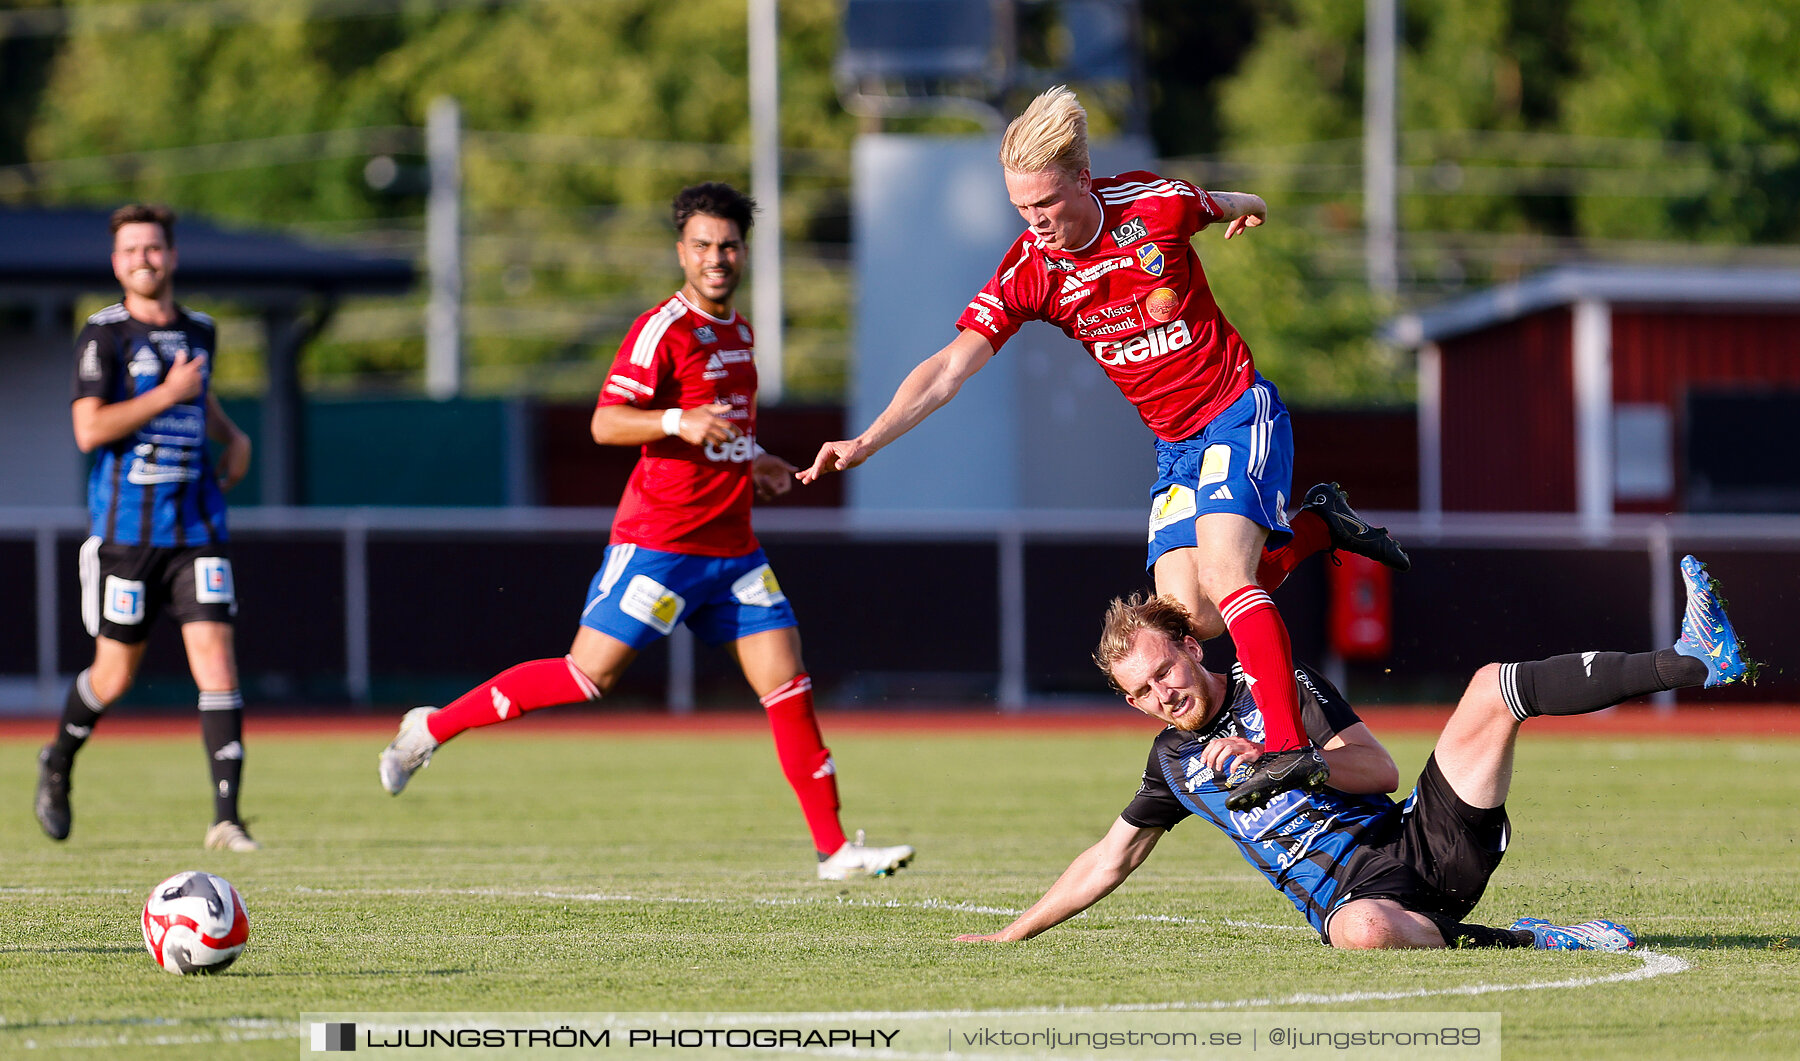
<point>229,836</point>
<point>409,751</point>
<point>855,859</point>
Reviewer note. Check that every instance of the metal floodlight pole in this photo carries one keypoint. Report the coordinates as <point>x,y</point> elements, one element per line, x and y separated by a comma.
<point>443,250</point>
<point>765,187</point>
<point>1380,146</point>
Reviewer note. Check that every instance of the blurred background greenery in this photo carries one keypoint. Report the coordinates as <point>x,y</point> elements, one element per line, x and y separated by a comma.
<point>1532,132</point>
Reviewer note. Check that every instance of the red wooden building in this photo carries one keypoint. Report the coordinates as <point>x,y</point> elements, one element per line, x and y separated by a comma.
<point>1599,389</point>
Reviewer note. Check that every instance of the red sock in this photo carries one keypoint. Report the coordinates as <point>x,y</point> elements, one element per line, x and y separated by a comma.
<point>511,693</point>
<point>1268,661</point>
<point>1310,536</point>
<point>805,760</point>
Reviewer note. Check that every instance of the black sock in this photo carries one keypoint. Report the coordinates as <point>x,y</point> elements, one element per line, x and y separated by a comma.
<point>81,710</point>
<point>1459,935</point>
<point>222,728</point>
<point>1589,681</point>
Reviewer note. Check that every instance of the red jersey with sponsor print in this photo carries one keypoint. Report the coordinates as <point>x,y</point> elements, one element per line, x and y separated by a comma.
<point>684,498</point>
<point>1136,297</point>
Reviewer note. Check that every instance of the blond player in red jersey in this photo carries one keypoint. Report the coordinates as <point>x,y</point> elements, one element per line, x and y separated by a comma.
<point>1108,260</point>
<point>683,387</point>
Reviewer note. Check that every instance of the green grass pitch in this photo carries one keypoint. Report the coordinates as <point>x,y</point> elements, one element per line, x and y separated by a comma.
<point>545,871</point>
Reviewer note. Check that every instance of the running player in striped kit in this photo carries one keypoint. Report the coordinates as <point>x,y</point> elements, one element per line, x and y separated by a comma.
<point>1109,261</point>
<point>683,387</point>
<point>156,508</point>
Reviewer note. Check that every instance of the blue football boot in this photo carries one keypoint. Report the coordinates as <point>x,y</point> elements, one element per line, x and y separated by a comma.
<point>1589,935</point>
<point>1706,633</point>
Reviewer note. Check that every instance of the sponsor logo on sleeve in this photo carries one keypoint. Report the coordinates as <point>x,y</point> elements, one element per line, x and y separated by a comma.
<point>90,360</point>
<point>1150,256</point>
<point>758,589</point>
<point>212,581</point>
<point>123,601</point>
<point>652,603</point>
<point>1129,232</point>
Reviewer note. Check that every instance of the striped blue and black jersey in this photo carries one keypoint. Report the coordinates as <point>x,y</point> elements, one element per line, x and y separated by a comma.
<point>158,485</point>
<point>1303,842</point>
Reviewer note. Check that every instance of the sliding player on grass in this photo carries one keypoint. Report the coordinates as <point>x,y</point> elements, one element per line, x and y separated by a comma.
<point>683,386</point>
<point>1109,260</point>
<point>1364,871</point>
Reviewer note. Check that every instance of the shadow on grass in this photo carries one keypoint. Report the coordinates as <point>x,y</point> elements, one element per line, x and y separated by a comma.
<point>1724,942</point>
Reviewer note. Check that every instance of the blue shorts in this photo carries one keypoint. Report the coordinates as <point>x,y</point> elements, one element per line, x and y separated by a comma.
<point>1242,462</point>
<point>639,594</point>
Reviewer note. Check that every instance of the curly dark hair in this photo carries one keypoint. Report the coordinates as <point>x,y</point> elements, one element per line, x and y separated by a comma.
<point>145,214</point>
<point>714,200</point>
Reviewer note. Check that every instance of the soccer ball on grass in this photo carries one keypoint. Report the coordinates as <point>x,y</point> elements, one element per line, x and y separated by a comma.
<point>194,922</point>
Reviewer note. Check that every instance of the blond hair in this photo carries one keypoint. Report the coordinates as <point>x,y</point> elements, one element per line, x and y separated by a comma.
<point>1050,134</point>
<point>1126,618</point>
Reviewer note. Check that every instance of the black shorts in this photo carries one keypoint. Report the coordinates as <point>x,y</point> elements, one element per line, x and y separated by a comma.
<point>125,587</point>
<point>1440,857</point>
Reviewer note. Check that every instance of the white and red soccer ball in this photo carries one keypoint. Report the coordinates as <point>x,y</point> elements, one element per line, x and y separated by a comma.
<point>194,922</point>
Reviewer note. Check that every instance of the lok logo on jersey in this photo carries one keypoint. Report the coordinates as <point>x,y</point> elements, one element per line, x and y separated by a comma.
<point>1130,232</point>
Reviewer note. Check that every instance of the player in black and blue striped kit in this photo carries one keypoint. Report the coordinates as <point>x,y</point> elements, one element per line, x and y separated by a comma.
<point>143,406</point>
<point>1365,871</point>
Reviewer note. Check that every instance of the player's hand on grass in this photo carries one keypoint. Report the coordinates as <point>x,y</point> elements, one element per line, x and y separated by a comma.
<point>834,457</point>
<point>772,476</point>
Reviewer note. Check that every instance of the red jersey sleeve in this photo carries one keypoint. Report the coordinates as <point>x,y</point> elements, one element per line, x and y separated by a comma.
<point>1016,294</point>
<point>1182,205</point>
<point>642,365</point>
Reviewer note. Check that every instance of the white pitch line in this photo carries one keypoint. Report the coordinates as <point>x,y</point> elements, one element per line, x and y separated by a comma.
<point>1654,964</point>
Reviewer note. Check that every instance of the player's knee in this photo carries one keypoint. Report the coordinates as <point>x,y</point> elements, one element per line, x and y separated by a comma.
<point>1484,690</point>
<point>1359,927</point>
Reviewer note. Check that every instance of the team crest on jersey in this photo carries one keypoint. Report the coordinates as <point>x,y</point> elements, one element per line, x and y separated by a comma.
<point>1130,232</point>
<point>744,332</point>
<point>1150,256</point>
<point>704,333</point>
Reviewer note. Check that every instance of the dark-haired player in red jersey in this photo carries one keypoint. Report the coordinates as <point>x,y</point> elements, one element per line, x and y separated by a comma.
<point>1108,260</point>
<point>683,387</point>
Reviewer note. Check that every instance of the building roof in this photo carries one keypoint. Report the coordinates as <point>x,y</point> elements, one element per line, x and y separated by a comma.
<point>1639,285</point>
<point>60,251</point>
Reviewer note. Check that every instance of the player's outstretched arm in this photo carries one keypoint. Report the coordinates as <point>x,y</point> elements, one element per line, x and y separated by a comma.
<point>1090,878</point>
<point>1242,210</point>
<point>925,389</point>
